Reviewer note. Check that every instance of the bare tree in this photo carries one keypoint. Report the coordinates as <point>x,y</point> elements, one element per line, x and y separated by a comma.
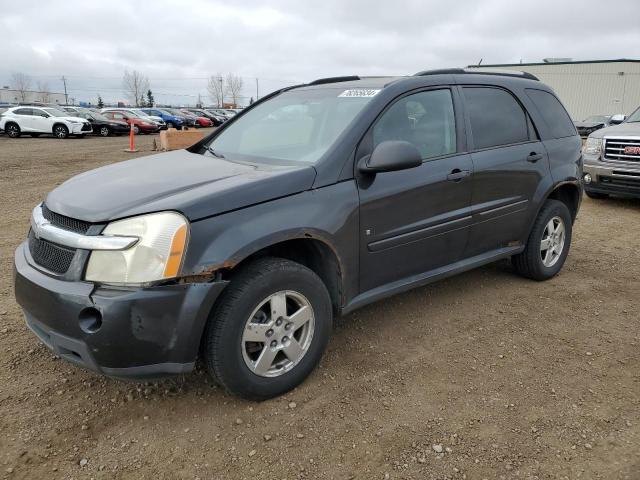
<point>215,88</point>
<point>22,83</point>
<point>44,92</point>
<point>135,86</point>
<point>234,87</point>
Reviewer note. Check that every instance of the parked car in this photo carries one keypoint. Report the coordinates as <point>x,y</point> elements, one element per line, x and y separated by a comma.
<point>172,121</point>
<point>36,121</point>
<point>219,117</point>
<point>223,112</point>
<point>593,123</point>
<point>188,119</point>
<point>153,118</point>
<point>201,121</point>
<point>214,119</point>
<point>102,125</point>
<point>140,125</point>
<point>612,159</point>
<point>245,246</point>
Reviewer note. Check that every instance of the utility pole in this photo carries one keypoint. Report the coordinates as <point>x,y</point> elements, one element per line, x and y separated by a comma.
<point>257,90</point>
<point>66,98</point>
<point>221,93</point>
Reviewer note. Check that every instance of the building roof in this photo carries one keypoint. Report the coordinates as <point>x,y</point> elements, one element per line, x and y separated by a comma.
<point>619,60</point>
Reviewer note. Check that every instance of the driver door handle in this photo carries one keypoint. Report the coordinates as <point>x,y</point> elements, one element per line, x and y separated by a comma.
<point>534,157</point>
<point>456,175</point>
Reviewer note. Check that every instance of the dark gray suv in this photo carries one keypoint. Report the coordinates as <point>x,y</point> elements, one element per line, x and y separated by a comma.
<point>314,201</point>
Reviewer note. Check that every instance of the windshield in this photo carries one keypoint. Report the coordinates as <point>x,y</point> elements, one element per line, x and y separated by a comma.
<point>57,113</point>
<point>98,116</point>
<point>296,126</point>
<point>596,119</point>
<point>634,117</point>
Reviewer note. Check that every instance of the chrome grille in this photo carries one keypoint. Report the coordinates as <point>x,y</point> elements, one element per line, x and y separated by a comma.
<point>622,149</point>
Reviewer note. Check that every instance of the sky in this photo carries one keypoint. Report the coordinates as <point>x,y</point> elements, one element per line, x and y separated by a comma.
<point>178,45</point>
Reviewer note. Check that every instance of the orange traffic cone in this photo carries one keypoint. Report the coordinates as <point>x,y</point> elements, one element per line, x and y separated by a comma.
<point>132,143</point>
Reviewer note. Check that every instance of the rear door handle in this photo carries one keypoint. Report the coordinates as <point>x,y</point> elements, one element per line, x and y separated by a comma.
<point>534,157</point>
<point>456,175</point>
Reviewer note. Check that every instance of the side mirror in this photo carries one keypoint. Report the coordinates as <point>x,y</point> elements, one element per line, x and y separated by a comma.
<point>617,119</point>
<point>390,156</point>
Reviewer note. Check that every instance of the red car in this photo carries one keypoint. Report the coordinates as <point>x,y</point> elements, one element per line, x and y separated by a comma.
<point>200,121</point>
<point>139,124</point>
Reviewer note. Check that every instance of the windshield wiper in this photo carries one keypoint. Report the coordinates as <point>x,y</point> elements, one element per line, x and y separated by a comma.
<point>214,153</point>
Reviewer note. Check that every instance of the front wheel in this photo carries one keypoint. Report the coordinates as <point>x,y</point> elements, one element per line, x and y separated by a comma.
<point>170,125</point>
<point>104,131</point>
<point>548,244</point>
<point>269,329</point>
<point>12,130</point>
<point>60,131</point>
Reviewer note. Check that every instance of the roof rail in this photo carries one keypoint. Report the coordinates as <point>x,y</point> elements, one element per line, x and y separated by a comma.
<point>479,71</point>
<point>347,78</point>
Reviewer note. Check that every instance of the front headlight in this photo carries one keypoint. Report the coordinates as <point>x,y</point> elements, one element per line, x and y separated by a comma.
<point>593,146</point>
<point>156,256</point>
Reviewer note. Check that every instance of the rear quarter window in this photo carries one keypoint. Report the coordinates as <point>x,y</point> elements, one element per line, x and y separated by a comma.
<point>553,113</point>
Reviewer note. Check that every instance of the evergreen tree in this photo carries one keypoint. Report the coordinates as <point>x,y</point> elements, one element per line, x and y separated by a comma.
<point>100,102</point>
<point>150,100</point>
<point>141,103</point>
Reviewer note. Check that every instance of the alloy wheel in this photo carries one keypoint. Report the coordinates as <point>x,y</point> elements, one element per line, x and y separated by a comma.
<point>104,131</point>
<point>552,243</point>
<point>278,334</point>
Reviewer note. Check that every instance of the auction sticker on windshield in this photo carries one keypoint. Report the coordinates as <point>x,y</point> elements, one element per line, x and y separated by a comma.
<point>359,92</point>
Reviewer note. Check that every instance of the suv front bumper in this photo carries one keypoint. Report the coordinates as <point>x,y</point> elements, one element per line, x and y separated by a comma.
<point>622,179</point>
<point>142,332</point>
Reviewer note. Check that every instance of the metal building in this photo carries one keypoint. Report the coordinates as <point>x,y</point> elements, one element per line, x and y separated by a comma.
<point>8,95</point>
<point>592,87</point>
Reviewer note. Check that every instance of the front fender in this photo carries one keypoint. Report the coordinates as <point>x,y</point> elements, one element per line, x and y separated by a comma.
<point>328,214</point>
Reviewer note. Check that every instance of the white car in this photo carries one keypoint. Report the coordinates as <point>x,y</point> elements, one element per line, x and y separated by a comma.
<point>36,121</point>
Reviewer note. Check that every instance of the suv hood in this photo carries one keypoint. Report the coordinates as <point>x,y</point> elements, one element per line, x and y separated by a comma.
<point>71,118</point>
<point>196,185</point>
<point>624,129</point>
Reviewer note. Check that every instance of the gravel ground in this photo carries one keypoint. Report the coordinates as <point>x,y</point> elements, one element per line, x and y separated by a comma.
<point>485,375</point>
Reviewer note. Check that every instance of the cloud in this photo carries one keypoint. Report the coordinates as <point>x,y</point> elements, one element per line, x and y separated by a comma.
<point>178,44</point>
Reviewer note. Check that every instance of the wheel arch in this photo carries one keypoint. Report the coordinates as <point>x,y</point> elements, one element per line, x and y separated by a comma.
<point>309,249</point>
<point>568,193</point>
<point>53,127</point>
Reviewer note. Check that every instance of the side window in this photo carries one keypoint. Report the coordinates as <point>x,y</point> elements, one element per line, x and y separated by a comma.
<point>23,111</point>
<point>496,117</point>
<point>554,114</point>
<point>425,119</point>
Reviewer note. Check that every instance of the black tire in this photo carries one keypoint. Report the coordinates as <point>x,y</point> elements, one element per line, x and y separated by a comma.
<point>529,263</point>
<point>12,130</point>
<point>222,346</point>
<point>105,131</point>
<point>60,131</point>
<point>596,195</point>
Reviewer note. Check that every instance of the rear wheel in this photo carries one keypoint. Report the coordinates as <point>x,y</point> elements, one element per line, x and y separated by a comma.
<point>596,195</point>
<point>12,130</point>
<point>269,329</point>
<point>548,244</point>
<point>60,131</point>
<point>104,131</point>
